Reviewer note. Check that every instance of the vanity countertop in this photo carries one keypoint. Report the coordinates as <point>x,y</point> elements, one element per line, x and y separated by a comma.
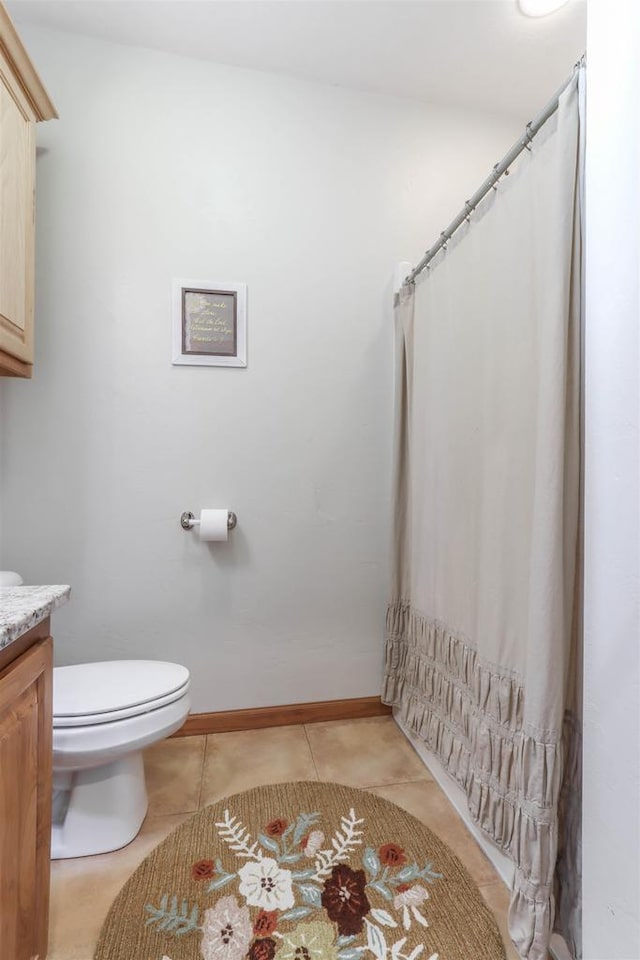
<point>22,607</point>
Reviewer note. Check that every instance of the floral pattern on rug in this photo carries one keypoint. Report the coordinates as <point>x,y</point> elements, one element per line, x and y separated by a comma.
<point>294,896</point>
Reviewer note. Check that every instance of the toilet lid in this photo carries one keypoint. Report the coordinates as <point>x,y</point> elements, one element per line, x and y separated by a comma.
<point>87,693</point>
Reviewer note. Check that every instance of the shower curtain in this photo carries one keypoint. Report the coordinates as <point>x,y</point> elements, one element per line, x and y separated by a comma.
<point>481,627</point>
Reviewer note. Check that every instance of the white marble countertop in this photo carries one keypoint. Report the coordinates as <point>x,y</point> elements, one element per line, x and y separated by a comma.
<point>22,607</point>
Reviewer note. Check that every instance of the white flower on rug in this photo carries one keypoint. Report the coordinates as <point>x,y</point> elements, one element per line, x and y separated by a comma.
<point>265,884</point>
<point>410,900</point>
<point>227,931</point>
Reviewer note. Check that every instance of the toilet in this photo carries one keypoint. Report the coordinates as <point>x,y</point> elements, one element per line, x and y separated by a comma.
<point>104,715</point>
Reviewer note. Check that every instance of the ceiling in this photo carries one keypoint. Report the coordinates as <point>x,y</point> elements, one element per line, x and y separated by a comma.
<point>474,53</point>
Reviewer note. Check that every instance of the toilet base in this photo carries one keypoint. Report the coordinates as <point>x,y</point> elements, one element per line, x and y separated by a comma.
<point>99,809</point>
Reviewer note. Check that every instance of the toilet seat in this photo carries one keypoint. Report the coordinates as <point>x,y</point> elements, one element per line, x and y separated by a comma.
<point>91,745</point>
<point>87,694</point>
<point>108,716</point>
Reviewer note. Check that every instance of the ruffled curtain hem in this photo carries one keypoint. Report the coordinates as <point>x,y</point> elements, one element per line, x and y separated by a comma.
<point>469,712</point>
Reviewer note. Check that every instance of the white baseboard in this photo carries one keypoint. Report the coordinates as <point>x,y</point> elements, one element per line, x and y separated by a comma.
<point>458,798</point>
<point>559,949</point>
<point>504,866</point>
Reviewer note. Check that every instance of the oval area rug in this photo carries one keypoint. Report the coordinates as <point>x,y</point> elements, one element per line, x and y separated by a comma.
<point>300,871</point>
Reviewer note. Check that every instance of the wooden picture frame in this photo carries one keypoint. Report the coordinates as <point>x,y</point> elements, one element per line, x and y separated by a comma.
<point>209,323</point>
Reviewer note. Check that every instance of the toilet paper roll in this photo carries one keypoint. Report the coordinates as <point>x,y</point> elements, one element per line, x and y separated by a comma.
<point>214,525</point>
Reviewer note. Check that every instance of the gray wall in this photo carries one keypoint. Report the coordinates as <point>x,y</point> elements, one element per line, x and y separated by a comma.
<point>165,167</point>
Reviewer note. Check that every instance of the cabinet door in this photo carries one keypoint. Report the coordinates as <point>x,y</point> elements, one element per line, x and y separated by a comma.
<point>17,214</point>
<point>25,803</point>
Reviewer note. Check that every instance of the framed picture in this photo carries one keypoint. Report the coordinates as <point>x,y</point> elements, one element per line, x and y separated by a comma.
<point>209,323</point>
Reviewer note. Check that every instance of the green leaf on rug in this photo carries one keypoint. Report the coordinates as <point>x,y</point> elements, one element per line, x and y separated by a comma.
<point>269,843</point>
<point>219,882</point>
<point>376,941</point>
<point>303,874</point>
<point>288,832</point>
<point>172,919</point>
<point>290,858</point>
<point>380,887</point>
<point>383,918</point>
<point>296,914</point>
<point>407,873</point>
<point>429,874</point>
<point>311,894</point>
<point>371,862</point>
<point>304,822</point>
<point>344,941</point>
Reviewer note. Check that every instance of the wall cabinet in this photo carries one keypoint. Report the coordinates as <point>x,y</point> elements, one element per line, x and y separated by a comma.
<point>23,102</point>
<point>25,797</point>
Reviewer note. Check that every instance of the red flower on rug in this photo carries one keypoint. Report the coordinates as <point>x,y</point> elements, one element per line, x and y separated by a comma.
<point>203,870</point>
<point>345,900</point>
<point>276,827</point>
<point>265,923</point>
<point>391,855</point>
<point>262,949</point>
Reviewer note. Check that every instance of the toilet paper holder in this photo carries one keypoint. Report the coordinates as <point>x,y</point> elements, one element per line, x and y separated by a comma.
<point>188,520</point>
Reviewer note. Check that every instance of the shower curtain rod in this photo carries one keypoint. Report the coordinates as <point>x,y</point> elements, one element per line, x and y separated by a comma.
<point>502,167</point>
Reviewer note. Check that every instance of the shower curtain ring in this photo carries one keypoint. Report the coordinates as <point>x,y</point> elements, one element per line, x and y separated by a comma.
<point>445,239</point>
<point>469,210</point>
<point>528,137</point>
<point>493,185</point>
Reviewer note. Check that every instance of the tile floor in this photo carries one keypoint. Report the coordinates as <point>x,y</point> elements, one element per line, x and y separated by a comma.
<point>185,774</point>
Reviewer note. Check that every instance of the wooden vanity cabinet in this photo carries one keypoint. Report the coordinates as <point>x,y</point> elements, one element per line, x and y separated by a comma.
<point>26,675</point>
<point>23,102</point>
